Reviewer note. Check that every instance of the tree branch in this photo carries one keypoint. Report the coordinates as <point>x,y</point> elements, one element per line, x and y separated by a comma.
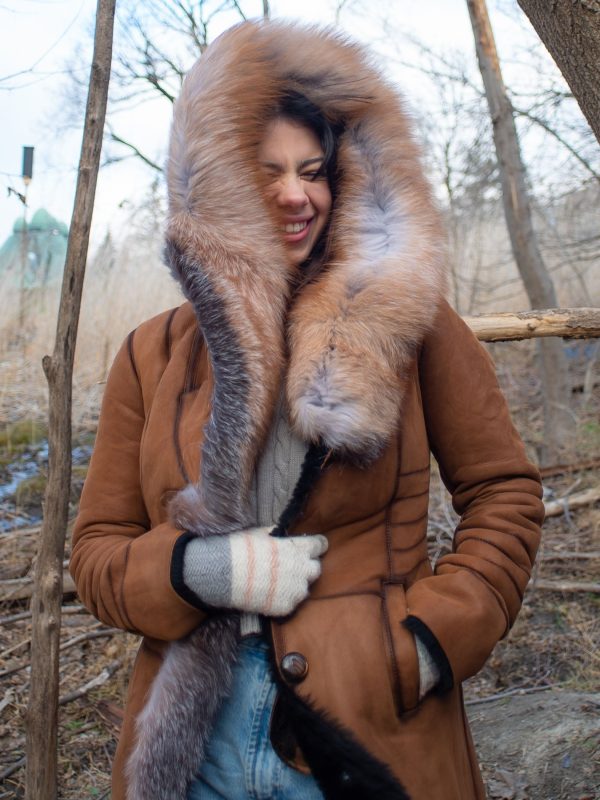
<point>550,130</point>
<point>134,152</point>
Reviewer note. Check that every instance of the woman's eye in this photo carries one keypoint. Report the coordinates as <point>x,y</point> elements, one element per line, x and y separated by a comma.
<point>313,175</point>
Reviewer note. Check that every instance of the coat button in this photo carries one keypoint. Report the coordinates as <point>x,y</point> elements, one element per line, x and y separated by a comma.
<point>294,667</point>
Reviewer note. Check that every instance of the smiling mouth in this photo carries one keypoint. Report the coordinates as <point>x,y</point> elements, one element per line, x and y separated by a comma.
<point>294,227</point>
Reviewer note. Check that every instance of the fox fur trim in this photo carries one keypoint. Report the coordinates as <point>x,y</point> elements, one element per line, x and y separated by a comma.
<point>342,344</point>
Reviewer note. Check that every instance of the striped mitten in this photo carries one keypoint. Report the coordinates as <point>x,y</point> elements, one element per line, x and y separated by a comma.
<point>253,571</point>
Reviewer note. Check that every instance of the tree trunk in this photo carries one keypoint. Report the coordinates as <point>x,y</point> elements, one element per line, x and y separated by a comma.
<point>570,29</point>
<point>42,710</point>
<point>558,423</point>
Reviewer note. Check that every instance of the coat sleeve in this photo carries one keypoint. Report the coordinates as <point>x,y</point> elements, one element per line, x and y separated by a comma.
<point>476,591</point>
<point>121,566</point>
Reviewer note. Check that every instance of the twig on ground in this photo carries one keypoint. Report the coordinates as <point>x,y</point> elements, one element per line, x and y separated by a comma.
<point>556,507</point>
<point>565,586</point>
<point>18,532</point>
<point>565,555</point>
<point>8,698</point>
<point>11,670</point>
<point>13,768</point>
<point>100,679</point>
<point>22,588</point>
<point>14,648</point>
<point>93,634</point>
<point>511,693</point>
<point>561,469</point>
<point>26,614</point>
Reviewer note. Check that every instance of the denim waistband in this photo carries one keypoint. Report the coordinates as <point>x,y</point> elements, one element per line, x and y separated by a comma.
<point>254,641</point>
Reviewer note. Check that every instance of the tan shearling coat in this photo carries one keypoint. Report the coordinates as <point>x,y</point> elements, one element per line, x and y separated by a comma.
<point>378,373</point>
<point>362,662</point>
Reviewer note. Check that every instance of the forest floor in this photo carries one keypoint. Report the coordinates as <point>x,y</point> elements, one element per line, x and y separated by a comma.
<point>534,708</point>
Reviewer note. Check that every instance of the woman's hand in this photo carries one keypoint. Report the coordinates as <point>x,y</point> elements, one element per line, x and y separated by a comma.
<point>253,571</point>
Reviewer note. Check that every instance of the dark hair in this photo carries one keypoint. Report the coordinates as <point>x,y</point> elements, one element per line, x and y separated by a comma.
<point>296,107</point>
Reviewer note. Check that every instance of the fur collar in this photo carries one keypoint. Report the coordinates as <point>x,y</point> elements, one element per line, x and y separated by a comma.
<point>352,332</point>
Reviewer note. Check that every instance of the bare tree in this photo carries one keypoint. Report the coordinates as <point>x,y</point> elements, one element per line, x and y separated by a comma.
<point>563,167</point>
<point>558,423</point>
<point>157,42</point>
<point>570,29</point>
<point>42,710</point>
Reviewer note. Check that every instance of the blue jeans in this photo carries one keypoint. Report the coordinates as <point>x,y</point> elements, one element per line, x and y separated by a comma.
<point>240,761</point>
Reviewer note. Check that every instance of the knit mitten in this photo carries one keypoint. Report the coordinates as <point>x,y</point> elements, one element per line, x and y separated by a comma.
<point>253,571</point>
<point>429,673</point>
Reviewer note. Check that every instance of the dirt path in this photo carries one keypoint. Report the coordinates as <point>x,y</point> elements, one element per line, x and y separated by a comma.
<point>543,746</point>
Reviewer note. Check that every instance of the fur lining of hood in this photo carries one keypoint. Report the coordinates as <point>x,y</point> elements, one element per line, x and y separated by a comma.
<point>351,332</point>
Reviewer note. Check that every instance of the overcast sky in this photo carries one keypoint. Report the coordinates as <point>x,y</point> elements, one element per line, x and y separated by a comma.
<point>38,36</point>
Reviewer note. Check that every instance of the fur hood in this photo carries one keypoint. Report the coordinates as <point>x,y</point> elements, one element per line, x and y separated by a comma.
<point>342,345</point>
<point>345,343</point>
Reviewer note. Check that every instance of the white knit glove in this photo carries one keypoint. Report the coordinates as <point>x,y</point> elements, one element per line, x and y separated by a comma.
<point>253,571</point>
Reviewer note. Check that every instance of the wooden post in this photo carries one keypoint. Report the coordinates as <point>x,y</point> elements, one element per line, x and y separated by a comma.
<point>42,709</point>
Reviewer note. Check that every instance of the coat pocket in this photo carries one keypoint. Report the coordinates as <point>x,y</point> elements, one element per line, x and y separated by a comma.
<point>403,663</point>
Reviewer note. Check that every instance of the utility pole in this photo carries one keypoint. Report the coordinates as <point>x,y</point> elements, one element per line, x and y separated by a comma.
<point>27,175</point>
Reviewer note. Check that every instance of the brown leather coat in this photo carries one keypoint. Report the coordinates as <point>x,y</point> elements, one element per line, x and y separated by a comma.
<point>352,631</point>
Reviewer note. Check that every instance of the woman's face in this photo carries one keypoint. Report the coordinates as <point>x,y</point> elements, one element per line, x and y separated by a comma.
<point>292,157</point>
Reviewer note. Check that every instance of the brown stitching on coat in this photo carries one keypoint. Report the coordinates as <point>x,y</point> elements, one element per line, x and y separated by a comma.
<point>500,566</point>
<point>168,339</point>
<point>458,543</point>
<point>131,356</point>
<point>404,577</point>
<point>411,496</point>
<point>389,646</point>
<point>192,364</point>
<point>176,443</point>
<point>125,613</point>
<point>388,519</point>
<point>367,516</point>
<point>473,771</point>
<point>187,387</point>
<point>410,521</point>
<point>491,589</point>
<point>351,593</point>
<point>123,603</point>
<point>415,471</point>
<point>409,547</point>
<point>516,536</point>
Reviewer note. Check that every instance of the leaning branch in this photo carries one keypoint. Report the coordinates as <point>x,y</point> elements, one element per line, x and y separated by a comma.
<point>570,323</point>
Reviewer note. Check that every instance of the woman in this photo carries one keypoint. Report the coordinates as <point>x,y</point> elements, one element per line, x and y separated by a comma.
<point>261,470</point>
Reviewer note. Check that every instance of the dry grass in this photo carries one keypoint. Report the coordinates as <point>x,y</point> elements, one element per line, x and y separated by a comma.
<point>122,288</point>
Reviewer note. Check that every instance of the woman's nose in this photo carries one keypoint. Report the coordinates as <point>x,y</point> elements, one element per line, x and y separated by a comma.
<point>291,192</point>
